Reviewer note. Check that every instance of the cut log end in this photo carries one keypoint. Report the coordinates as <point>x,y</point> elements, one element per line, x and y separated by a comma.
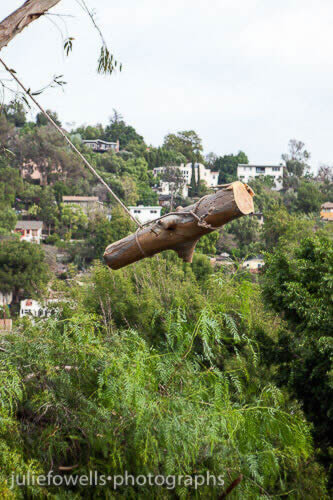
<point>244,201</point>
<point>181,231</point>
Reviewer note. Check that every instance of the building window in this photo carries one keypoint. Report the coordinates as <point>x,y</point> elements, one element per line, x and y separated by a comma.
<point>276,169</point>
<point>137,211</point>
<point>153,211</point>
<point>260,170</point>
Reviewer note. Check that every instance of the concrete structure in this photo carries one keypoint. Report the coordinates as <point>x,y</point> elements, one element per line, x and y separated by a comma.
<point>88,204</point>
<point>101,146</point>
<point>30,307</point>
<point>326,211</point>
<point>254,264</point>
<point>6,298</point>
<point>200,171</point>
<point>6,325</point>
<point>247,172</point>
<point>145,214</point>
<point>29,230</point>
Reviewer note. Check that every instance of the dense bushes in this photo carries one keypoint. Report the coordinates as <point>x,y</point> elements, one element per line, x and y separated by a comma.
<point>147,372</point>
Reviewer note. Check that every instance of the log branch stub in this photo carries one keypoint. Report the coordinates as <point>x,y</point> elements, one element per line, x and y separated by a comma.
<point>181,230</point>
<point>22,17</point>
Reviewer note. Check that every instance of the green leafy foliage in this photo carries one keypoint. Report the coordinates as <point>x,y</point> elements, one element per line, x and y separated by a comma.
<point>227,166</point>
<point>22,268</point>
<point>299,286</point>
<point>185,396</point>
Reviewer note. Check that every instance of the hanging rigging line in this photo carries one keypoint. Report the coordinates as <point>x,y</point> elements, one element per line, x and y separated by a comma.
<point>61,132</point>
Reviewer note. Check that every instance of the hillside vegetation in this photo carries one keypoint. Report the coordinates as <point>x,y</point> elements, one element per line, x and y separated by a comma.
<point>163,367</point>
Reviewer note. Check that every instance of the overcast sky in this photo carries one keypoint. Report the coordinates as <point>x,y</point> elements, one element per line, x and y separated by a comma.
<point>244,74</point>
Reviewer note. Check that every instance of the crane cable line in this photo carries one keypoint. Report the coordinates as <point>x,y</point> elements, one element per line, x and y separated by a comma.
<point>61,132</point>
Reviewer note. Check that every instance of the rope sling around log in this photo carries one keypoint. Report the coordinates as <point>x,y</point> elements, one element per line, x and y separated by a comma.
<point>181,230</point>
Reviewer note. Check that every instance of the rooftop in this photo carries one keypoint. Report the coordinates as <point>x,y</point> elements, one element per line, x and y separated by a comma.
<point>29,224</point>
<point>148,207</point>
<point>327,204</point>
<point>73,199</point>
<point>98,140</point>
<point>258,165</point>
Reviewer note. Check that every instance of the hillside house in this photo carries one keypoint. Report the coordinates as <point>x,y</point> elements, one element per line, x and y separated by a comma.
<point>89,204</point>
<point>145,214</point>
<point>247,172</point>
<point>200,172</point>
<point>101,146</point>
<point>326,211</point>
<point>31,307</point>
<point>254,265</point>
<point>29,230</point>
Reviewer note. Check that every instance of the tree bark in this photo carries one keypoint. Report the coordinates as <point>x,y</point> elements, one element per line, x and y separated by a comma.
<point>180,231</point>
<point>22,17</point>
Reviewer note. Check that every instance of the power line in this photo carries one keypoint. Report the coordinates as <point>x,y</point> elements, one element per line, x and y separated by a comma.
<point>59,129</point>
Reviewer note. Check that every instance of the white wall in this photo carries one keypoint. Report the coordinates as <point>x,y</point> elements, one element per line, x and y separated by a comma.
<point>145,214</point>
<point>210,178</point>
<point>29,307</point>
<point>247,172</point>
<point>253,264</point>
<point>6,298</point>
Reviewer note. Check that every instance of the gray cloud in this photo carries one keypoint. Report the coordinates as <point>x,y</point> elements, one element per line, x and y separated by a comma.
<point>245,74</point>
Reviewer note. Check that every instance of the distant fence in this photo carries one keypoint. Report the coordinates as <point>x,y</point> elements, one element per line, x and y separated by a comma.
<point>6,325</point>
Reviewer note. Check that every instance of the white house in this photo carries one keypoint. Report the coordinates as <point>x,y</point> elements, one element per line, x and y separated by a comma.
<point>101,146</point>
<point>29,230</point>
<point>200,171</point>
<point>30,307</point>
<point>254,264</point>
<point>145,214</point>
<point>246,172</point>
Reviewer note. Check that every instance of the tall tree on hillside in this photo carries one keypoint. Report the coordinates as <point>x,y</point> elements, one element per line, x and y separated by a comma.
<point>118,130</point>
<point>227,166</point>
<point>22,268</point>
<point>325,174</point>
<point>162,157</point>
<point>296,159</point>
<point>14,112</point>
<point>186,142</point>
<point>42,120</point>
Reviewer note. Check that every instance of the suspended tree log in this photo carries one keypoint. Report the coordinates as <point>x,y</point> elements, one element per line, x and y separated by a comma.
<point>181,230</point>
<point>22,17</point>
